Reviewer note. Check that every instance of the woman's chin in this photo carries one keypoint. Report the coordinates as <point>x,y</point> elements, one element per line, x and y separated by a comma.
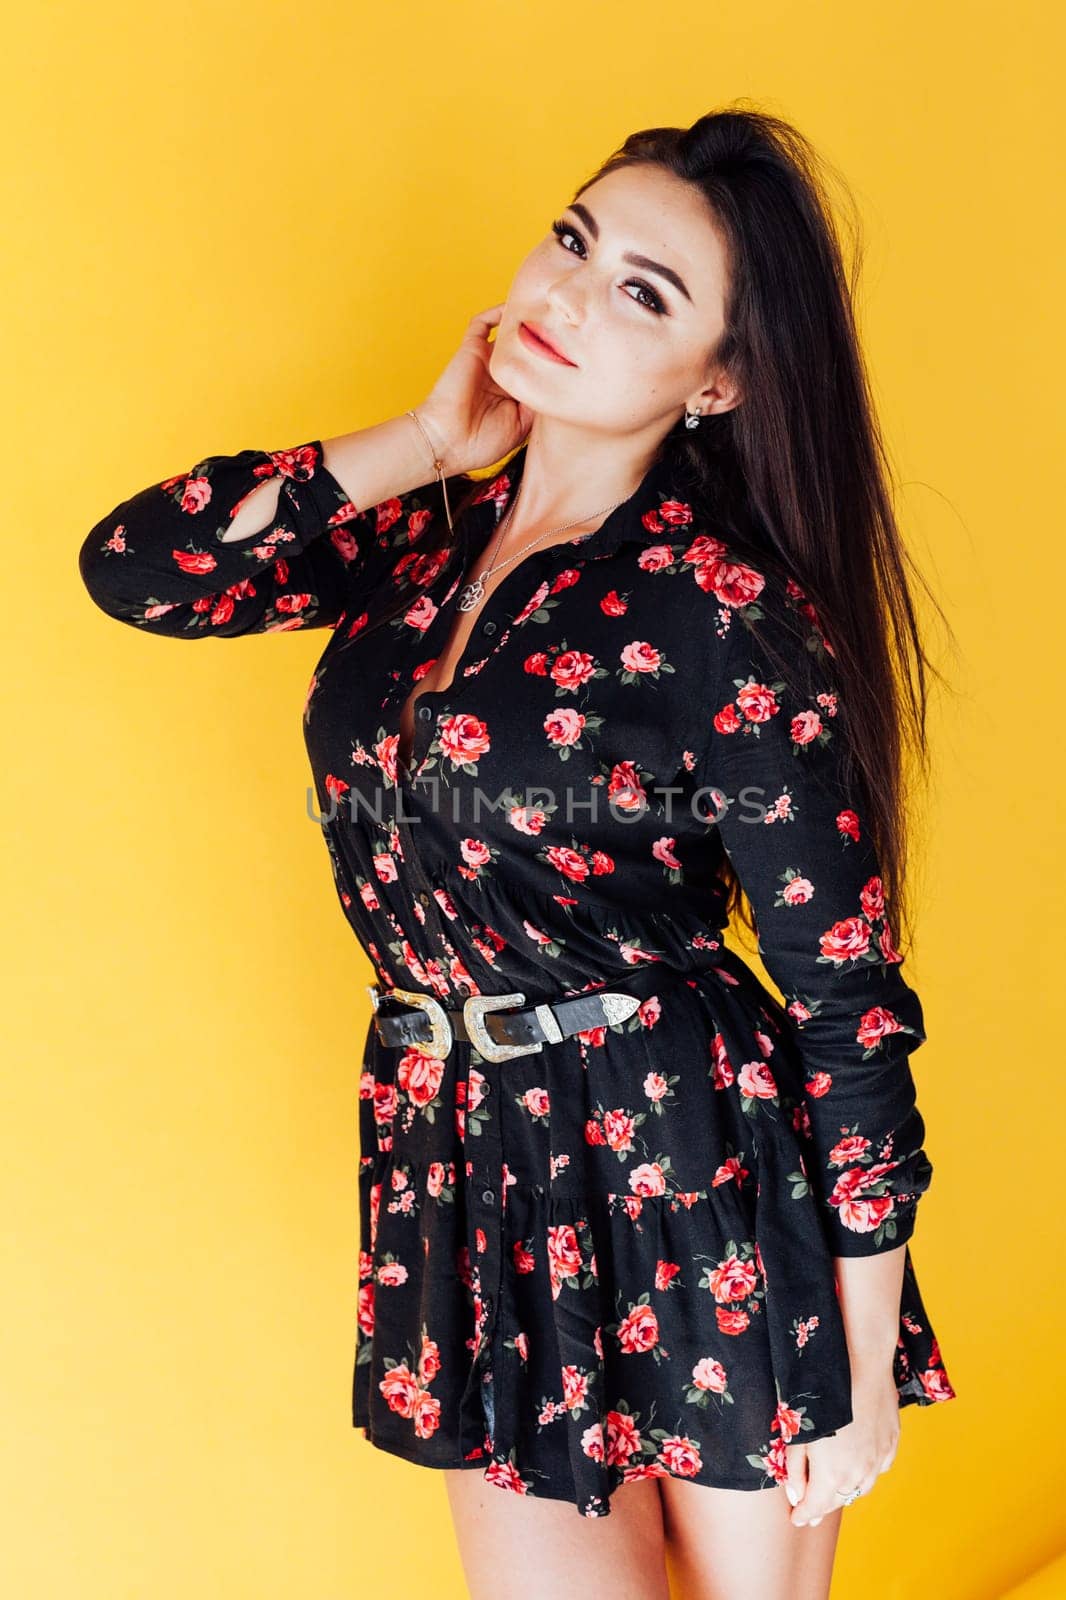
<point>513,378</point>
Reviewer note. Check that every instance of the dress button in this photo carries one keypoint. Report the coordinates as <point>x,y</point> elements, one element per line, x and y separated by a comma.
<point>488,627</point>
<point>488,1196</point>
<point>424,898</point>
<point>424,712</point>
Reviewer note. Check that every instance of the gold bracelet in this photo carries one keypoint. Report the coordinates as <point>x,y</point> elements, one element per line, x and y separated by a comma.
<point>438,466</point>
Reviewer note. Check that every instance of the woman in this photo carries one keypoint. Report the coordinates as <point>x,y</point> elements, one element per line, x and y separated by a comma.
<point>634,1232</point>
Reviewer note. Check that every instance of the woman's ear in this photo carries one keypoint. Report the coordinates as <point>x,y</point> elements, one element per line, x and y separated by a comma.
<point>721,395</point>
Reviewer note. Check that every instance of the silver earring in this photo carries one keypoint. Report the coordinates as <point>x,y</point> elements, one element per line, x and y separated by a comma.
<point>692,418</point>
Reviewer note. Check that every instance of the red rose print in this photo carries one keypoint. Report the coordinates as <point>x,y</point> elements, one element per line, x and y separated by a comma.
<point>709,1375</point>
<point>664,850</point>
<point>564,580</point>
<point>571,669</point>
<point>392,1273</point>
<point>847,1150</point>
<point>757,1081</point>
<point>848,824</point>
<point>732,1279</point>
<point>464,739</point>
<point>524,1260</point>
<point>196,495</point>
<point>805,728</point>
<point>875,1025</point>
<point>618,1130</point>
<point>624,788</point>
<point>592,1444</point>
<point>623,1438</point>
<point>936,1384</point>
<point>722,1073</point>
<point>568,862</point>
<point>641,657</point>
<point>638,1331</point>
<point>400,1389</point>
<point>420,1076</point>
<point>648,1179</point>
<point>200,561</point>
<point>681,1457</point>
<point>564,1256</point>
<point>676,513</point>
<point>787,1422</point>
<point>655,558</point>
<point>388,512</point>
<point>757,702</point>
<point>846,940</point>
<point>421,614</point>
<point>564,725</point>
<point>872,900</point>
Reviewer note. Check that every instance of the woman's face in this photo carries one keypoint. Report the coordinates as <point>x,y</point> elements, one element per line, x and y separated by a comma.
<point>638,336</point>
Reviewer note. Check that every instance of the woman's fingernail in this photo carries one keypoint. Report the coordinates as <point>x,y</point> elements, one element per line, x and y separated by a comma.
<point>815,1521</point>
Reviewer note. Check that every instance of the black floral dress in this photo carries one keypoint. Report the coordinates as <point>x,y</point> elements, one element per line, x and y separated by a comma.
<point>611,1257</point>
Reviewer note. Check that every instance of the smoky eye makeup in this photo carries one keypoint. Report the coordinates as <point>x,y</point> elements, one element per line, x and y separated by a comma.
<point>654,303</point>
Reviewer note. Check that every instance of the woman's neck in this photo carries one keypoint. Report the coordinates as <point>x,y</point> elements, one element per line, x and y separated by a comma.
<point>570,474</point>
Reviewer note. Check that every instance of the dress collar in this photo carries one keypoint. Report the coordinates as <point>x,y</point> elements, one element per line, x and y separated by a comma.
<point>660,509</point>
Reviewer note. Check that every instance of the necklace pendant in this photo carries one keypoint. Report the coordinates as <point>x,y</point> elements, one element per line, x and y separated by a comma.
<point>472,595</point>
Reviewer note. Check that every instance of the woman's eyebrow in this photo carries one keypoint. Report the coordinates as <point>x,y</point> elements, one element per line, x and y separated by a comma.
<point>634,260</point>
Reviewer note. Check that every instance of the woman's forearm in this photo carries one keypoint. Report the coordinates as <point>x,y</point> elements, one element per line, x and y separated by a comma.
<point>373,464</point>
<point>386,460</point>
<point>870,1291</point>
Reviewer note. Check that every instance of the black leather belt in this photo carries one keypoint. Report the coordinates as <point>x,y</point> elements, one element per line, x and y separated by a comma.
<point>432,1028</point>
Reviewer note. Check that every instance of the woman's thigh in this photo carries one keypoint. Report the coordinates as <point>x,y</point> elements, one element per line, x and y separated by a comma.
<point>739,1544</point>
<point>537,1549</point>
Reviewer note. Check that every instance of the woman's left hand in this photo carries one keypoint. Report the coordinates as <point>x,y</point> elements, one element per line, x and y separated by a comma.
<point>821,1474</point>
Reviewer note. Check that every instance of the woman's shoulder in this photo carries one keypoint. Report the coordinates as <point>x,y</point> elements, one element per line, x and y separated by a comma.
<point>729,585</point>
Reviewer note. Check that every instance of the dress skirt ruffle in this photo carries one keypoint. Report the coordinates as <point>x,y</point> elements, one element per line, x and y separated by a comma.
<point>603,1261</point>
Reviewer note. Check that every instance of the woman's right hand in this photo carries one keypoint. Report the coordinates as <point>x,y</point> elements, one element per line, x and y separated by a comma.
<point>471,420</point>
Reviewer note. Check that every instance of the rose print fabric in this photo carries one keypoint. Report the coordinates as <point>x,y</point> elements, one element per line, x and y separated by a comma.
<point>613,1257</point>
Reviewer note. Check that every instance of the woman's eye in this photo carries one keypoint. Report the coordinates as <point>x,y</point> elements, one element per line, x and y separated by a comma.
<point>654,302</point>
<point>561,232</point>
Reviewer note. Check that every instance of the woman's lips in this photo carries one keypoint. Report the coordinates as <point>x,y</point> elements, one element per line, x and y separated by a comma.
<point>529,338</point>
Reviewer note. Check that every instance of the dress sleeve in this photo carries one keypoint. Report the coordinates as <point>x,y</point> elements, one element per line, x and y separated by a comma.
<point>795,832</point>
<point>158,561</point>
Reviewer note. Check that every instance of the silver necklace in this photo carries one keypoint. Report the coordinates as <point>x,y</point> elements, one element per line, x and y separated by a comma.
<point>473,593</point>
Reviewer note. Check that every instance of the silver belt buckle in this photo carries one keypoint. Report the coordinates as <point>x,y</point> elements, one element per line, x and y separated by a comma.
<point>442,1038</point>
<point>474,1010</point>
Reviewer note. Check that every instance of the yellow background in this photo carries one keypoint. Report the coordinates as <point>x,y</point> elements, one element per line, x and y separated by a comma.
<point>235,225</point>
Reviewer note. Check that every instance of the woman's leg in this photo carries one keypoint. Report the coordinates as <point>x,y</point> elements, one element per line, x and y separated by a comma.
<point>530,1549</point>
<point>739,1544</point>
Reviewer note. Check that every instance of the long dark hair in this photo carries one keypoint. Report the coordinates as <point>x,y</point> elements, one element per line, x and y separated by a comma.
<point>798,470</point>
<point>800,464</point>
